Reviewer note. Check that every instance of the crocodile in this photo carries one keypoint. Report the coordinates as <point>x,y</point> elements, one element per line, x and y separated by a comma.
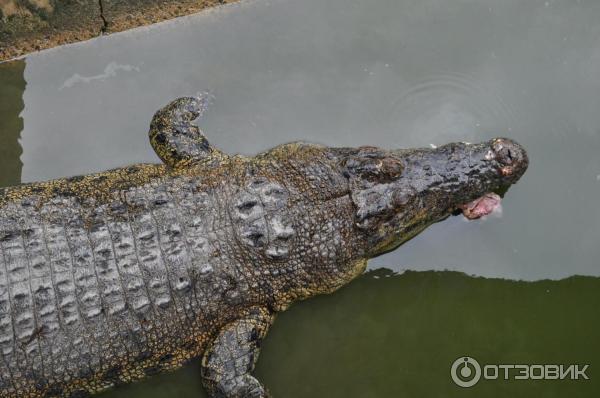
<point>111,277</point>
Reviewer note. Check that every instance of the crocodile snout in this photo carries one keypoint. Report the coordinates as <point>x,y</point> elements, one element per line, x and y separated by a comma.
<point>511,157</point>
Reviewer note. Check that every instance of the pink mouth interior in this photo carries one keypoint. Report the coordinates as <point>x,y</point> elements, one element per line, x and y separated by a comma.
<point>481,206</point>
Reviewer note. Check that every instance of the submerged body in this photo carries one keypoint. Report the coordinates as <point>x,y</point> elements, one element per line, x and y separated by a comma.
<point>108,278</point>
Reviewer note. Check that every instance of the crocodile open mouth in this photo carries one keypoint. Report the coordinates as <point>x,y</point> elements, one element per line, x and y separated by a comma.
<point>481,206</point>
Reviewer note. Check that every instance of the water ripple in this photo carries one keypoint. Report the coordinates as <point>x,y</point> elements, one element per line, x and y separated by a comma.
<point>454,102</point>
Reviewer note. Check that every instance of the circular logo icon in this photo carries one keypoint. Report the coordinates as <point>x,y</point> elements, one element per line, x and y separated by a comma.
<point>465,372</point>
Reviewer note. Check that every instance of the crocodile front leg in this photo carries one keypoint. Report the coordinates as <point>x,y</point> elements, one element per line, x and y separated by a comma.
<point>231,357</point>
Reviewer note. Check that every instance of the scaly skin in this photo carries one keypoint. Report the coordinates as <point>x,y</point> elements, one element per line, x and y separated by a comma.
<point>108,278</point>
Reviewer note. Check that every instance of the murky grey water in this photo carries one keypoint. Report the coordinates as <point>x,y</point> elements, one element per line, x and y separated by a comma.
<point>386,73</point>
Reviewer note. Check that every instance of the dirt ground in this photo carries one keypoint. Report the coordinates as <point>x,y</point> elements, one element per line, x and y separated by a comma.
<point>33,25</point>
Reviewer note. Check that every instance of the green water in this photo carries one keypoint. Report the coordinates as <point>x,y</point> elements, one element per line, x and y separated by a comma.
<point>12,85</point>
<point>505,290</point>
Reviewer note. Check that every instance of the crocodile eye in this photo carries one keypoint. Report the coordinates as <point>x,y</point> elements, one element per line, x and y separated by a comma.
<point>373,164</point>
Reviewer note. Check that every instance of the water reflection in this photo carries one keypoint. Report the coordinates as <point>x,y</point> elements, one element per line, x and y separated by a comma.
<point>390,335</point>
<point>12,85</point>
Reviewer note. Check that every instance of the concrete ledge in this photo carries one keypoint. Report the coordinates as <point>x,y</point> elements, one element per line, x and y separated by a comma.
<point>33,25</point>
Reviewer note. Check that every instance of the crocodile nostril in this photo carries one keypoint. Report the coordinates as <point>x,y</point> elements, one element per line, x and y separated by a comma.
<point>511,157</point>
<point>504,151</point>
<point>505,155</point>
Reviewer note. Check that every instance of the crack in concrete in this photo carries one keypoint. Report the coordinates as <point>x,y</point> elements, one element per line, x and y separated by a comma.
<point>104,27</point>
<point>78,21</point>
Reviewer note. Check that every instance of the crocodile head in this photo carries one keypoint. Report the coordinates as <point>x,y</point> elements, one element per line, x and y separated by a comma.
<point>399,193</point>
